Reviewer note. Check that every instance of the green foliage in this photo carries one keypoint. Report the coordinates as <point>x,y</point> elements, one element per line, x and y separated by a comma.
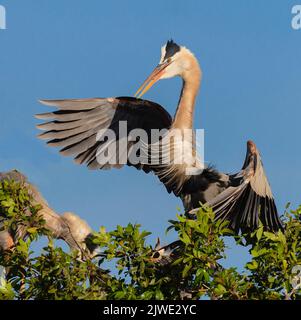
<point>196,272</point>
<point>273,258</point>
<point>18,212</point>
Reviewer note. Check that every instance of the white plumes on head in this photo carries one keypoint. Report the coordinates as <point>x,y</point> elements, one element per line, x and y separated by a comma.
<point>163,52</point>
<point>181,62</point>
<point>183,50</point>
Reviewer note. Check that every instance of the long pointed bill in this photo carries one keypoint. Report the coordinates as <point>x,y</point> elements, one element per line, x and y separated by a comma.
<point>151,80</point>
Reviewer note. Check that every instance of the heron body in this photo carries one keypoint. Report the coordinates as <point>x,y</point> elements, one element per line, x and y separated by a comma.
<point>243,198</point>
<point>68,227</point>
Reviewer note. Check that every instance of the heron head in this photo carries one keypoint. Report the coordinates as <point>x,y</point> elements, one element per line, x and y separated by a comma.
<point>78,234</point>
<point>175,61</point>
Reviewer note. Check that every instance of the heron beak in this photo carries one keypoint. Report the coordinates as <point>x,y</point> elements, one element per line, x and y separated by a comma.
<point>152,79</point>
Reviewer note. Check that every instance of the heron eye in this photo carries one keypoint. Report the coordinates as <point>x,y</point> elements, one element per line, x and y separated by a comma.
<point>168,60</point>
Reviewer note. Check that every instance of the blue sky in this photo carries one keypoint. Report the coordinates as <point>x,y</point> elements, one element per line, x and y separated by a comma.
<point>250,58</point>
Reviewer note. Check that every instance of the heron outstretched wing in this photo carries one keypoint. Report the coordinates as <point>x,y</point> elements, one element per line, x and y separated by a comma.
<point>76,125</point>
<point>75,128</point>
<point>248,198</point>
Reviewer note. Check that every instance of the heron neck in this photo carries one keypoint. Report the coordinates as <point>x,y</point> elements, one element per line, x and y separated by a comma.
<point>185,111</point>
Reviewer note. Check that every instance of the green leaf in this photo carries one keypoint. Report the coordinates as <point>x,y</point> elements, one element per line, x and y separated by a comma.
<point>259,233</point>
<point>119,295</point>
<point>185,238</point>
<point>220,290</point>
<point>32,230</point>
<point>270,236</point>
<point>186,270</point>
<point>252,265</point>
<point>159,295</point>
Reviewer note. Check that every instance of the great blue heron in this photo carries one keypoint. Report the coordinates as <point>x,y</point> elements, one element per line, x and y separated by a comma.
<point>242,198</point>
<point>68,226</point>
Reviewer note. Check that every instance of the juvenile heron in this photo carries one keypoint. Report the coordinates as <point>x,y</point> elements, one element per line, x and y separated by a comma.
<point>68,227</point>
<point>243,198</point>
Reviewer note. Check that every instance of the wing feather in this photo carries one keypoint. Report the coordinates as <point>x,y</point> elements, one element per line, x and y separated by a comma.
<point>75,125</point>
<point>249,198</point>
